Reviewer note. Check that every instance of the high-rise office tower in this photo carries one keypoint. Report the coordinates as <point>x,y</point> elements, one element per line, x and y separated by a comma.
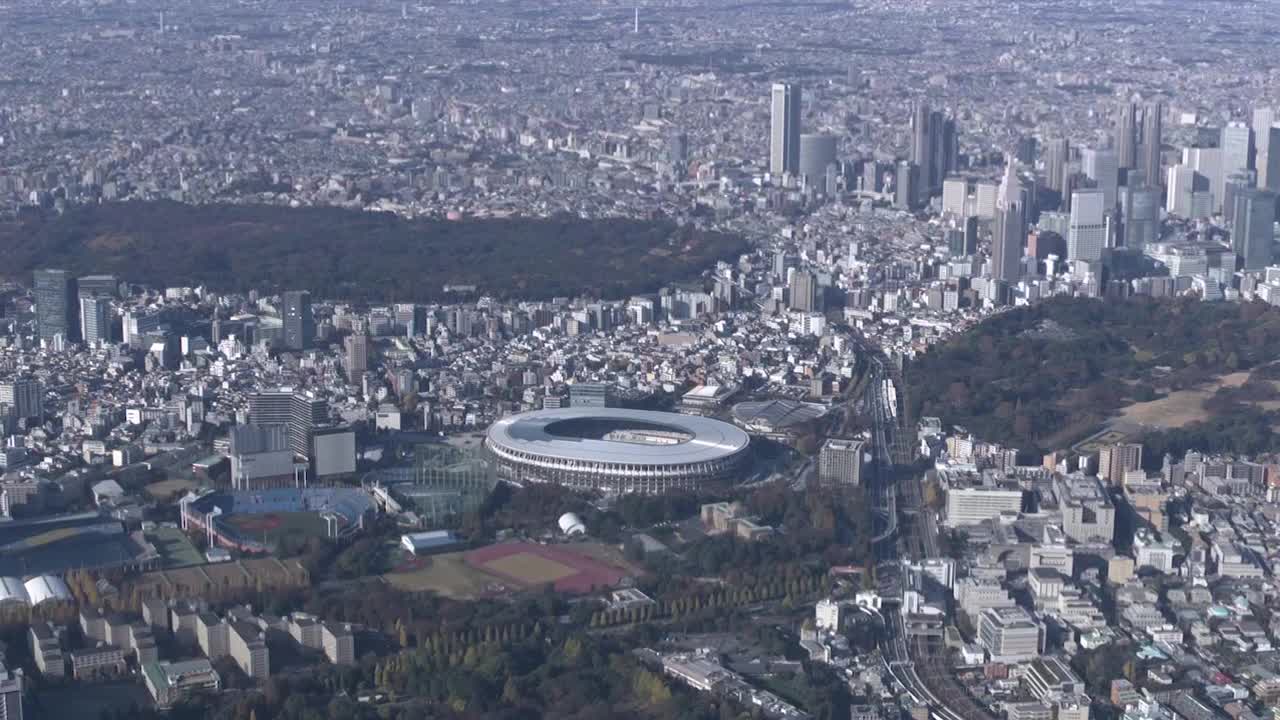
<point>1010,228</point>
<point>1253,234</point>
<point>1152,141</point>
<point>1127,135</point>
<point>955,196</point>
<point>103,285</point>
<point>57,309</point>
<point>817,151</point>
<point>1266,152</point>
<point>299,323</point>
<point>1087,233</point>
<point>1140,214</point>
<point>803,291</point>
<point>1237,150</point>
<point>947,158</point>
<point>1266,139</point>
<point>1028,148</point>
<point>25,398</point>
<point>922,145</point>
<point>1207,162</point>
<point>907,186</point>
<point>1235,184</point>
<point>357,360</point>
<point>1056,158</point>
<point>1183,183</point>
<point>784,129</point>
<point>300,412</point>
<point>95,319</point>
<point>1103,168</point>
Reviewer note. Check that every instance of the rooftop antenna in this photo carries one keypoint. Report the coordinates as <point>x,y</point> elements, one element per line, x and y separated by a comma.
<point>161,22</point>
<point>636,27</point>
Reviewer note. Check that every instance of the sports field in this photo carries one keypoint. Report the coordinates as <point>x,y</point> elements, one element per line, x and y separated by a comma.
<point>271,528</point>
<point>530,569</point>
<point>447,574</point>
<point>532,565</point>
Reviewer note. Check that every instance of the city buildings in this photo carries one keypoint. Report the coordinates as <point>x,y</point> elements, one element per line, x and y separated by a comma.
<point>1010,635</point>
<point>357,357</point>
<point>840,462</point>
<point>57,309</point>
<point>1010,229</point>
<point>173,682</point>
<point>784,129</point>
<point>1253,237</point>
<point>299,323</point>
<point>1126,135</point>
<point>1087,236</point>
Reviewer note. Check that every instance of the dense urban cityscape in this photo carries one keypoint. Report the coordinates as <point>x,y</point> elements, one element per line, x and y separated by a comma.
<point>693,359</point>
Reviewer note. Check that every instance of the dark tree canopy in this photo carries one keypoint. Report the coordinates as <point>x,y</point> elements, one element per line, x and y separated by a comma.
<point>1041,377</point>
<point>361,255</point>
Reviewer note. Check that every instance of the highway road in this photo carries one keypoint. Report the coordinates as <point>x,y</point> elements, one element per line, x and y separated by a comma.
<point>905,528</point>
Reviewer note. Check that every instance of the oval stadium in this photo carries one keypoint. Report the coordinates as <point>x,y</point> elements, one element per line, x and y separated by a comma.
<point>615,450</point>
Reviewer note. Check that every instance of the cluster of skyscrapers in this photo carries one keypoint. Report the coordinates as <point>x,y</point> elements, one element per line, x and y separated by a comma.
<point>810,158</point>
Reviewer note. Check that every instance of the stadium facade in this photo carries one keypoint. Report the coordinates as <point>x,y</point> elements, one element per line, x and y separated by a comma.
<point>616,450</point>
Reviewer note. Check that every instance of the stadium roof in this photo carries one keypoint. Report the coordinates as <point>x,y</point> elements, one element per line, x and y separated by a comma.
<point>707,439</point>
<point>41,588</point>
<point>11,590</point>
<point>775,415</point>
<point>47,587</point>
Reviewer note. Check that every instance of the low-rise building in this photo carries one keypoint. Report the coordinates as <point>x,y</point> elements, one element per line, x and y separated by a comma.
<point>339,643</point>
<point>100,662</point>
<point>1010,635</point>
<point>171,682</point>
<point>248,647</point>
<point>46,649</point>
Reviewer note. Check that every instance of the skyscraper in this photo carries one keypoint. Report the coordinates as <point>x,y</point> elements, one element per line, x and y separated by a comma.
<point>907,185</point>
<point>1057,154</point>
<point>357,360</point>
<point>1182,184</point>
<point>1237,149</point>
<point>1266,153</point>
<point>1152,141</point>
<point>299,323</point>
<point>803,291</point>
<point>1010,228</point>
<point>1254,233</point>
<point>103,285</point>
<point>1207,162</point>
<point>1140,214</point>
<point>1266,137</point>
<point>922,144</point>
<point>784,131</point>
<point>1087,233</point>
<point>95,319</point>
<point>1102,167</point>
<point>57,311</point>
<point>25,398</point>
<point>300,412</point>
<point>817,151</point>
<point>949,158</point>
<point>1127,135</point>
